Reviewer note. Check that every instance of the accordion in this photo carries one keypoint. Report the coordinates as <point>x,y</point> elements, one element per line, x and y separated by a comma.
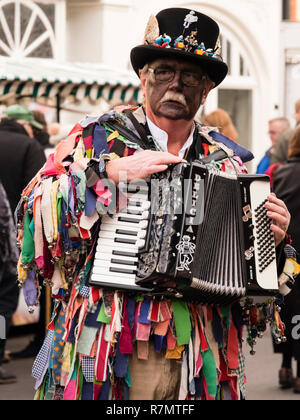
<point>191,232</point>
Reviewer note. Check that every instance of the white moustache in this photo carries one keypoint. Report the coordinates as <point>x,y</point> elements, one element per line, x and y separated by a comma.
<point>176,97</point>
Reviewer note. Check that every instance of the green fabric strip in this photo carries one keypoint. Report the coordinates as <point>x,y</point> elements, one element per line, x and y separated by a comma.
<point>210,372</point>
<point>182,322</point>
<point>128,378</point>
<point>28,241</point>
<point>31,227</point>
<point>226,314</point>
<point>102,316</point>
<point>58,208</point>
<point>80,384</point>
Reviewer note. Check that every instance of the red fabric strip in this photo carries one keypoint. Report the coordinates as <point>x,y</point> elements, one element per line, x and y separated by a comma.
<point>88,142</point>
<point>204,345</point>
<point>154,312</point>
<point>97,391</point>
<point>95,294</point>
<point>171,340</point>
<point>102,357</point>
<point>233,347</point>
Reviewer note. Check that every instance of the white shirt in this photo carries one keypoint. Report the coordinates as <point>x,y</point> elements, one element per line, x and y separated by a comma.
<point>161,137</point>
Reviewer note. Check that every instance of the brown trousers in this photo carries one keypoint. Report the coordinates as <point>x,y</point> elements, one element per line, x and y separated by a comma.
<point>157,378</point>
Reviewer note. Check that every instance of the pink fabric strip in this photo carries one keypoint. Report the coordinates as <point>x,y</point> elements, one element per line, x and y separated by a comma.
<point>143,332</point>
<point>198,357</point>
<point>70,391</point>
<point>38,228</point>
<point>125,343</point>
<point>143,350</point>
<point>64,149</point>
<point>161,328</point>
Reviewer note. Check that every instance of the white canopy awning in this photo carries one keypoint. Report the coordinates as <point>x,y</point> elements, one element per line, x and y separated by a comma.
<point>48,78</point>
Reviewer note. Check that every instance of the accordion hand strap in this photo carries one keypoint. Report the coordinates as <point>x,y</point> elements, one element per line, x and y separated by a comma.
<point>216,156</point>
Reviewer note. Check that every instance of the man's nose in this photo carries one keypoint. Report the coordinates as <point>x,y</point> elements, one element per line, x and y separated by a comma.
<point>176,82</point>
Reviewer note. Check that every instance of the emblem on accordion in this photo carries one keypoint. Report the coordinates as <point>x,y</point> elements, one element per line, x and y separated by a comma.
<point>186,249</point>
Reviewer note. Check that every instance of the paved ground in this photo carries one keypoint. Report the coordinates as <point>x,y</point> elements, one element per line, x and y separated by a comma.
<point>24,388</point>
<point>262,374</point>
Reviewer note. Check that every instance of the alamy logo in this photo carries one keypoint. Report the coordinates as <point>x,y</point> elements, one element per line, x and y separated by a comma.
<point>296,329</point>
<point>2,328</point>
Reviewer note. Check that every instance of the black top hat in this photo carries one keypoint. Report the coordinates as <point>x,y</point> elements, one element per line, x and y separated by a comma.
<point>184,34</point>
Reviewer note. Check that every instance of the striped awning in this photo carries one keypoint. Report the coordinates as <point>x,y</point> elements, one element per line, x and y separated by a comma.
<point>49,78</point>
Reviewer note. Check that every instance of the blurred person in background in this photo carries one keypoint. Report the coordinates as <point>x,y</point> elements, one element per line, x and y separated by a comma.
<point>42,135</point>
<point>276,127</point>
<point>58,132</point>
<point>286,186</point>
<point>20,154</point>
<point>280,151</point>
<point>222,120</point>
<point>9,291</point>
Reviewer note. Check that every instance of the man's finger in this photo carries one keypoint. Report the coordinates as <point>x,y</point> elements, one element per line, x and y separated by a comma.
<point>157,168</point>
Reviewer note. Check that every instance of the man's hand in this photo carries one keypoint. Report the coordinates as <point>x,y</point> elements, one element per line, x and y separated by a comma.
<point>280,216</point>
<point>140,165</point>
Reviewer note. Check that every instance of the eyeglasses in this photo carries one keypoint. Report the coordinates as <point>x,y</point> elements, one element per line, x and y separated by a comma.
<point>167,75</point>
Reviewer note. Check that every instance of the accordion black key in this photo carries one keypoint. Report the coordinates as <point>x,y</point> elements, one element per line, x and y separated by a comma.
<point>191,232</point>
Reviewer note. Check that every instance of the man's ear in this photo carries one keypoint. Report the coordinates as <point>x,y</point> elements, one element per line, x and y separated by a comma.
<point>208,87</point>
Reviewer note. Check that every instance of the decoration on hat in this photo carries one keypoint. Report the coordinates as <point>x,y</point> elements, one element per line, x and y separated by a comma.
<point>218,48</point>
<point>189,19</point>
<point>152,30</point>
<point>191,41</point>
<point>162,41</point>
<point>187,44</point>
<point>179,43</point>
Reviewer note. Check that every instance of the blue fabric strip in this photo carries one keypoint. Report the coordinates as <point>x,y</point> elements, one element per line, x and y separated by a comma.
<point>64,230</point>
<point>91,318</point>
<point>158,343</point>
<point>100,141</point>
<point>131,304</point>
<point>121,364</point>
<point>198,387</point>
<point>88,368</point>
<point>104,394</point>
<point>90,202</point>
<point>143,318</point>
<point>71,337</point>
<point>87,393</point>
<point>217,327</point>
<point>240,151</point>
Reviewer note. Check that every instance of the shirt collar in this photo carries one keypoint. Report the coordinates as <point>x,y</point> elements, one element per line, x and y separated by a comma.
<point>161,137</point>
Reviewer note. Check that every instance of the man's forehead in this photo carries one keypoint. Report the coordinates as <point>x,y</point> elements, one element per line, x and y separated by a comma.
<point>179,64</point>
<point>275,125</point>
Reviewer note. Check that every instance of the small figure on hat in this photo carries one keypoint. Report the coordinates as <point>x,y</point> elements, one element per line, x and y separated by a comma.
<point>190,18</point>
<point>200,50</point>
<point>162,41</point>
<point>191,41</point>
<point>179,43</point>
